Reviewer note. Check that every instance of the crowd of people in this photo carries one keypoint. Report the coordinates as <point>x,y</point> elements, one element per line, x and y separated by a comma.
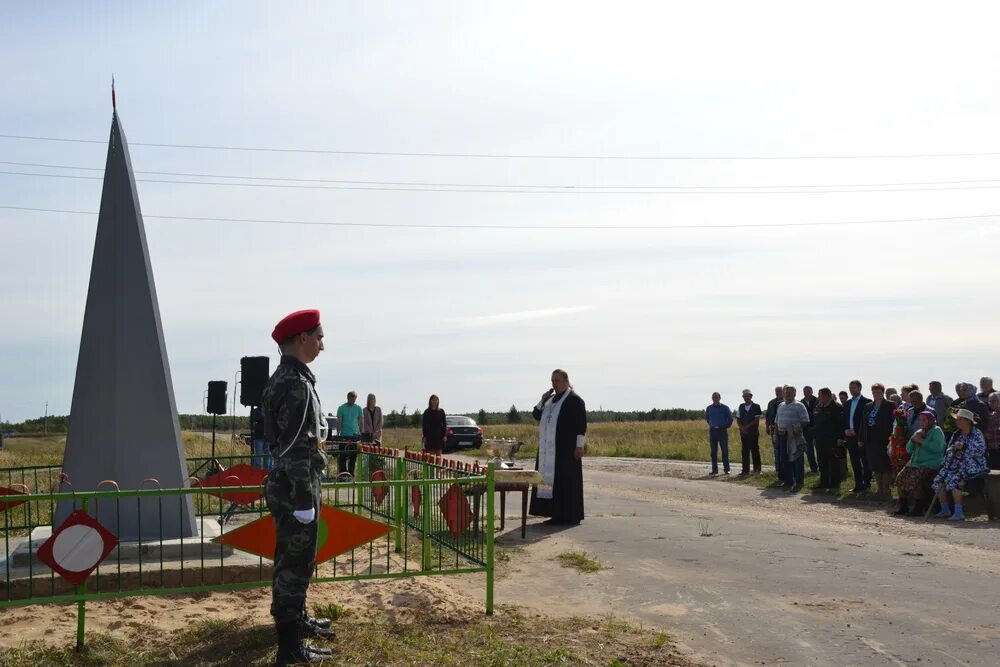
<point>923,445</point>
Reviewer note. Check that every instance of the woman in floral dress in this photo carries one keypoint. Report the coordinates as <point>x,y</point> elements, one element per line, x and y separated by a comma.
<point>964,459</point>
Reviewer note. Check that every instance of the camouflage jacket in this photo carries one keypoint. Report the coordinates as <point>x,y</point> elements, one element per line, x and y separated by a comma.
<point>293,418</point>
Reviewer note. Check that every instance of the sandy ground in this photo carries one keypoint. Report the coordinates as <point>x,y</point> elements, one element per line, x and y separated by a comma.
<point>400,600</point>
<point>738,575</point>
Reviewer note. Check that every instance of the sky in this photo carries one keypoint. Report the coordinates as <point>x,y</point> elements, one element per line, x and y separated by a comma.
<point>640,318</point>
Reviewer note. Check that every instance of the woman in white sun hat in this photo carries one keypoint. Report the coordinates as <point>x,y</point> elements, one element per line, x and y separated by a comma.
<point>964,459</point>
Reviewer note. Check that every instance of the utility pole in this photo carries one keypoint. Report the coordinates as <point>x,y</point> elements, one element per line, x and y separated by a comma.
<point>46,426</point>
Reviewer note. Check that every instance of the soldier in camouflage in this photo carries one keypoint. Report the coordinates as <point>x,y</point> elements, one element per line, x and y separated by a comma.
<point>294,427</point>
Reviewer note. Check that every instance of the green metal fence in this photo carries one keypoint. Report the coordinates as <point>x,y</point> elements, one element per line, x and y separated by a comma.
<point>439,515</point>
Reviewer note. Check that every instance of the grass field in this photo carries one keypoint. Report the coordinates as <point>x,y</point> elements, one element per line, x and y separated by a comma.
<point>685,441</point>
<point>48,450</point>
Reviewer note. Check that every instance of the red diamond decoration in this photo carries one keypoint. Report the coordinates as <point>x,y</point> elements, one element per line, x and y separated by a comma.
<point>241,474</point>
<point>415,500</point>
<point>380,492</point>
<point>77,547</point>
<point>457,513</point>
<point>338,532</point>
<point>10,504</point>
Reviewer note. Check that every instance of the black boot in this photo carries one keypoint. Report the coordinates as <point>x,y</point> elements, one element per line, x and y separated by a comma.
<point>320,622</point>
<point>313,627</point>
<point>291,650</point>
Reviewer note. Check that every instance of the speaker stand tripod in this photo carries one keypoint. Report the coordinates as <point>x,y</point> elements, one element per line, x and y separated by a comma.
<point>212,463</point>
<point>231,510</point>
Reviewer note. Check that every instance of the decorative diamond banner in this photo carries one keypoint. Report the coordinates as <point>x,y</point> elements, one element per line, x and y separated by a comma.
<point>77,547</point>
<point>380,492</point>
<point>337,533</point>
<point>241,474</point>
<point>10,504</point>
<point>415,500</point>
<point>457,513</point>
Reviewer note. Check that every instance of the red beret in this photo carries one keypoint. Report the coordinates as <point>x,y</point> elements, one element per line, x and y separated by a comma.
<point>294,324</point>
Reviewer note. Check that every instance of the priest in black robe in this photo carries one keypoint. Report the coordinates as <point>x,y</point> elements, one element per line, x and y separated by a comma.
<point>562,417</point>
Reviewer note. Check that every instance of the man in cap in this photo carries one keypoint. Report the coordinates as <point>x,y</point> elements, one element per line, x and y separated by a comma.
<point>748,419</point>
<point>295,427</point>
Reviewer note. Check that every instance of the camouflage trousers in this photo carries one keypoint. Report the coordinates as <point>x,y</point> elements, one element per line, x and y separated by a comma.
<point>294,549</point>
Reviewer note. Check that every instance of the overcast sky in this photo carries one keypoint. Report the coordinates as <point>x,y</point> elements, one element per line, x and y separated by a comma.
<point>639,318</point>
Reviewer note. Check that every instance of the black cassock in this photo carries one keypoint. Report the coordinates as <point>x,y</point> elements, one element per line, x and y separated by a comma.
<point>566,503</point>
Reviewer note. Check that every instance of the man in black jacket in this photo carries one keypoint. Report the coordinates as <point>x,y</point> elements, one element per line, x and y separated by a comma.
<point>809,401</point>
<point>853,411</point>
<point>827,431</point>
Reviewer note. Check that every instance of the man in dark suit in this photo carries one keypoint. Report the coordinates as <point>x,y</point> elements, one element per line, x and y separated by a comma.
<point>810,401</point>
<point>853,413</point>
<point>772,431</point>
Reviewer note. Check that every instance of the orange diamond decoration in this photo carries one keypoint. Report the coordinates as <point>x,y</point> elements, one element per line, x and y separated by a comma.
<point>457,513</point>
<point>338,532</point>
<point>241,474</point>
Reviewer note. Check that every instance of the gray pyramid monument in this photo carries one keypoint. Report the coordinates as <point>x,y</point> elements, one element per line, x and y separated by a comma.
<point>123,423</point>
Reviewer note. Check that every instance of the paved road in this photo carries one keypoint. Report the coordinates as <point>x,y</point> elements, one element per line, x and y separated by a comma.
<point>740,575</point>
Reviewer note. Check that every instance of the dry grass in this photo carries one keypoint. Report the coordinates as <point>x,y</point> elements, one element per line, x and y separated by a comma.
<point>683,441</point>
<point>48,450</point>
<point>509,638</point>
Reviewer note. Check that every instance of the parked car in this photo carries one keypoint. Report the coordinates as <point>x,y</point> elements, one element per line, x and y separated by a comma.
<point>462,433</point>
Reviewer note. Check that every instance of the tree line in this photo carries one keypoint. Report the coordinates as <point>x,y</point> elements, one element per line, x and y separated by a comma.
<point>394,419</point>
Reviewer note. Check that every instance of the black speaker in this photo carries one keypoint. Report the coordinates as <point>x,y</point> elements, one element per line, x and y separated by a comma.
<point>254,372</point>
<point>217,397</point>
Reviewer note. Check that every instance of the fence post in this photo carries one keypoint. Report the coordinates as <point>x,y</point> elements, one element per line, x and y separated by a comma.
<point>400,503</point>
<point>425,519</point>
<point>81,604</point>
<point>490,520</point>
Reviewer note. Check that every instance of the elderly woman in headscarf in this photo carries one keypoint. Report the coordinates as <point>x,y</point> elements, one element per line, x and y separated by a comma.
<point>964,459</point>
<point>925,448</point>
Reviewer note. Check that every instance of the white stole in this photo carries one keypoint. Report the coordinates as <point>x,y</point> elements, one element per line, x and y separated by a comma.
<point>547,444</point>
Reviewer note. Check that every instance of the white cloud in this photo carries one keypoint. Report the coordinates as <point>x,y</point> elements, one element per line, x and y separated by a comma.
<point>669,314</point>
<point>520,316</point>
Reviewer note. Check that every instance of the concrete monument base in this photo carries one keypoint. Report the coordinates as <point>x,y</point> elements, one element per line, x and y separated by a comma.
<point>132,552</point>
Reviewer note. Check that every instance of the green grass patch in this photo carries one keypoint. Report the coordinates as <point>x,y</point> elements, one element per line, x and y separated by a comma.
<point>332,611</point>
<point>100,649</point>
<point>581,561</point>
